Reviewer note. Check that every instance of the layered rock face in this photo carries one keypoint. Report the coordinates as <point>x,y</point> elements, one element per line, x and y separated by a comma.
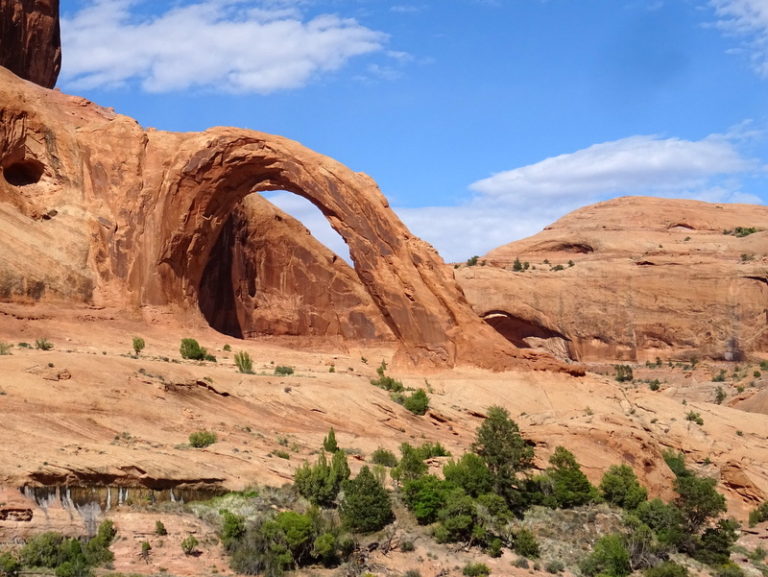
<point>30,42</point>
<point>96,209</point>
<point>640,278</point>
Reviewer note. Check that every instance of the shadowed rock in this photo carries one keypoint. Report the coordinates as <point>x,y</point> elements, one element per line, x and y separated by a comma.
<point>30,42</point>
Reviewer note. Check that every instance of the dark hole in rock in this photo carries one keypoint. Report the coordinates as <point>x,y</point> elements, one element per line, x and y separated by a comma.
<point>23,172</point>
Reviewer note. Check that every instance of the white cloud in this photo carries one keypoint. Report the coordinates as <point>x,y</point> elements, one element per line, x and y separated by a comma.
<point>520,202</point>
<point>225,45</point>
<point>749,19</point>
<point>634,165</point>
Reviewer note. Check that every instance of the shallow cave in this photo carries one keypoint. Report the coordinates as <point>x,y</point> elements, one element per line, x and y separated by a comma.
<point>516,329</point>
<point>23,172</point>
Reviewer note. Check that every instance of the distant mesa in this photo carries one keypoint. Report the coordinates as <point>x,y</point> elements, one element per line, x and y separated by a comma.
<point>633,279</point>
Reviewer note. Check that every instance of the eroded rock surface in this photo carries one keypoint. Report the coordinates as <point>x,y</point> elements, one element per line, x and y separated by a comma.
<point>115,215</point>
<point>30,42</point>
<point>633,278</point>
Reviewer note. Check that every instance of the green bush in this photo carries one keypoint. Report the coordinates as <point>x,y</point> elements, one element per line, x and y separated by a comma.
<point>5,348</point>
<point>609,557</point>
<point>470,473</point>
<point>320,483</point>
<point>385,382</point>
<point>417,402</point>
<point>244,363</point>
<point>384,457</point>
<point>425,497</point>
<point>623,373</point>
<point>160,528</point>
<point>201,439</point>
<point>283,370</point>
<point>428,450</point>
<point>329,442</point>
<point>69,557</point>
<point>9,565</point>
<point>138,345</point>
<point>526,544</point>
<point>366,506</point>
<point>232,529</point>
<point>554,566</point>
<point>191,349</point>
<point>411,465</point>
<point>694,417</point>
<point>563,484</point>
<point>43,344</point>
<point>476,570</point>
<point>620,487</point>
<point>759,514</point>
<point>189,544</point>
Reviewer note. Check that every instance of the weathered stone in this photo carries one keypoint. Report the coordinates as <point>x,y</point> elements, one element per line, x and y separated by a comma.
<point>30,42</point>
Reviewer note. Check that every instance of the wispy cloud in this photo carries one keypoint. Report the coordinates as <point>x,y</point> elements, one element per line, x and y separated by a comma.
<point>517,203</point>
<point>243,46</point>
<point>747,19</point>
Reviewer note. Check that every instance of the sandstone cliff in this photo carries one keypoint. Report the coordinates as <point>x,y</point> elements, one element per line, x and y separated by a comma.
<point>30,42</point>
<point>633,278</point>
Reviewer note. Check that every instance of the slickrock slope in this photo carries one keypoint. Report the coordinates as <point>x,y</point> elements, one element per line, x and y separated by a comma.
<point>30,42</point>
<point>641,278</point>
<point>95,209</point>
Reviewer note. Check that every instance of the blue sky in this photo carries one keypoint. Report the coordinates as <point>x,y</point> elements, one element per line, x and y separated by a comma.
<point>482,120</point>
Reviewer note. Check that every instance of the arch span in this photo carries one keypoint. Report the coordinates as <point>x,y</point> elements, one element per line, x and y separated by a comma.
<point>411,286</point>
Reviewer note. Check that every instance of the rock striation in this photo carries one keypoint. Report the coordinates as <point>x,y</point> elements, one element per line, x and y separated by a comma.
<point>633,278</point>
<point>30,41</point>
<point>116,215</point>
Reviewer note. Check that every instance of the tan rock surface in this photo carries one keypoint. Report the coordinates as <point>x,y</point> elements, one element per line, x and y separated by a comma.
<point>650,277</point>
<point>30,41</point>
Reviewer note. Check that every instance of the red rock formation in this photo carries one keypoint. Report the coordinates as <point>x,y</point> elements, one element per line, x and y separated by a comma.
<point>126,217</point>
<point>640,278</point>
<point>30,43</point>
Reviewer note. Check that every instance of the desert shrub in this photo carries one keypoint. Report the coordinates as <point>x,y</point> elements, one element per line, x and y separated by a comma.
<point>476,570</point>
<point>667,569</point>
<point>329,442</point>
<point>554,566</point>
<point>472,261</point>
<point>563,484</point>
<point>411,465</point>
<point>384,457</point>
<point>719,395</point>
<point>69,557</point>
<point>9,565</point>
<point>425,496</point>
<point>189,544</point>
<point>623,373</point>
<point>526,544</point>
<point>366,506</point>
<point>428,450</point>
<point>470,473</point>
<point>609,557</point>
<point>620,487</point>
<point>201,439</point>
<point>5,348</point>
<point>283,370</point>
<point>232,529</point>
<point>386,382</point>
<point>417,402</point>
<point>43,344</point>
<point>521,563</point>
<point>407,547</point>
<point>694,417</point>
<point>714,546</point>
<point>719,377</point>
<point>666,521</point>
<point>244,363</point>
<point>320,483</point>
<point>160,528</point>
<point>759,514</point>
<point>191,349</point>
<point>138,345</point>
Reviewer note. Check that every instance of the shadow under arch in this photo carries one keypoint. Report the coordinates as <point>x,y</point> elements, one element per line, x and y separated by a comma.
<point>411,286</point>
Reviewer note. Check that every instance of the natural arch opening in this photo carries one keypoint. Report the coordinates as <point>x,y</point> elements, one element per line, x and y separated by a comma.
<point>267,274</point>
<point>23,172</point>
<point>516,330</point>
